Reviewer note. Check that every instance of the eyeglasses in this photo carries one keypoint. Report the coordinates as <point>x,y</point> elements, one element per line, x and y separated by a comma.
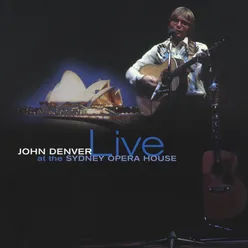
<point>184,23</point>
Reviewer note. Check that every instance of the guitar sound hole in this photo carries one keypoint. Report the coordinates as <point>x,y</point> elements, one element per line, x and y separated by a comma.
<point>219,189</point>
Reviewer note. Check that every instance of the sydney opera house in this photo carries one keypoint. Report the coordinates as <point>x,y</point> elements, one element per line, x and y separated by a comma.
<point>71,98</point>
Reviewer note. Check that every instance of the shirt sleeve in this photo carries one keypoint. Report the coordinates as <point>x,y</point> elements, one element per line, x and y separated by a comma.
<point>150,57</point>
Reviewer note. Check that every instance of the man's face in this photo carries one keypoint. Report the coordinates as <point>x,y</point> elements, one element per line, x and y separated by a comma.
<point>181,25</point>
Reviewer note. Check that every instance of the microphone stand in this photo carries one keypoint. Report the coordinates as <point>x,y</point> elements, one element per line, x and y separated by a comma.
<point>172,238</point>
<point>169,58</point>
<point>169,70</point>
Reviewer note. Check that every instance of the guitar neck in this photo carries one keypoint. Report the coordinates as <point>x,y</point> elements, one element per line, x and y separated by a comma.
<point>182,68</point>
<point>216,131</point>
<point>214,95</point>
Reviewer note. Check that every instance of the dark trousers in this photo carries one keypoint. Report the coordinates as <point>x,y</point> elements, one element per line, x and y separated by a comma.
<point>179,116</point>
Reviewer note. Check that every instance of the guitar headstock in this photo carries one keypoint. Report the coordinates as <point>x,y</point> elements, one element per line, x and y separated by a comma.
<point>217,44</point>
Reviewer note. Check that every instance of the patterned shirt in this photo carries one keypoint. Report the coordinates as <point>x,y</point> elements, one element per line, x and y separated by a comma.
<point>159,53</point>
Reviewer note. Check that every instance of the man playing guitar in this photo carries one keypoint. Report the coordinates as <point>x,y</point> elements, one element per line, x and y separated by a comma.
<point>180,48</point>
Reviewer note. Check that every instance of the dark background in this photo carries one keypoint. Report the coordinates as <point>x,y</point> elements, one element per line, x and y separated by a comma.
<point>65,204</point>
<point>36,36</point>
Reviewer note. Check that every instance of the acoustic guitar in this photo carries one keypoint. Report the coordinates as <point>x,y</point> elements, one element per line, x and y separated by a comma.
<point>173,80</point>
<point>224,195</point>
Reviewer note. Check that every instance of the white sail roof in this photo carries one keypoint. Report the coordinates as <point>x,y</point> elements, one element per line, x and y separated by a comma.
<point>99,94</point>
<point>47,99</point>
<point>70,89</point>
<point>94,88</point>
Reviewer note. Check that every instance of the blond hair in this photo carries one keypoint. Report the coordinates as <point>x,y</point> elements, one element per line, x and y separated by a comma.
<point>187,14</point>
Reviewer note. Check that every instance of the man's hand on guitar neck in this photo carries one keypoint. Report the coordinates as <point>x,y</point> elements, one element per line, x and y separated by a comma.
<point>150,81</point>
<point>203,57</point>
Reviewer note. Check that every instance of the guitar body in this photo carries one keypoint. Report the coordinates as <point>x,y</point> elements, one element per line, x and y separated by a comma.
<point>224,196</point>
<point>145,105</point>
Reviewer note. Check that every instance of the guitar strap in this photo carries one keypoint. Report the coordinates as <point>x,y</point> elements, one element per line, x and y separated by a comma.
<point>192,49</point>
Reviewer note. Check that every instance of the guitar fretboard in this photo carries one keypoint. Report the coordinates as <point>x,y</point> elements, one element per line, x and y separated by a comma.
<point>183,67</point>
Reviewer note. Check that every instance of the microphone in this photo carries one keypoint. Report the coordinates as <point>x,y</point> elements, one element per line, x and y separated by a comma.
<point>171,32</point>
